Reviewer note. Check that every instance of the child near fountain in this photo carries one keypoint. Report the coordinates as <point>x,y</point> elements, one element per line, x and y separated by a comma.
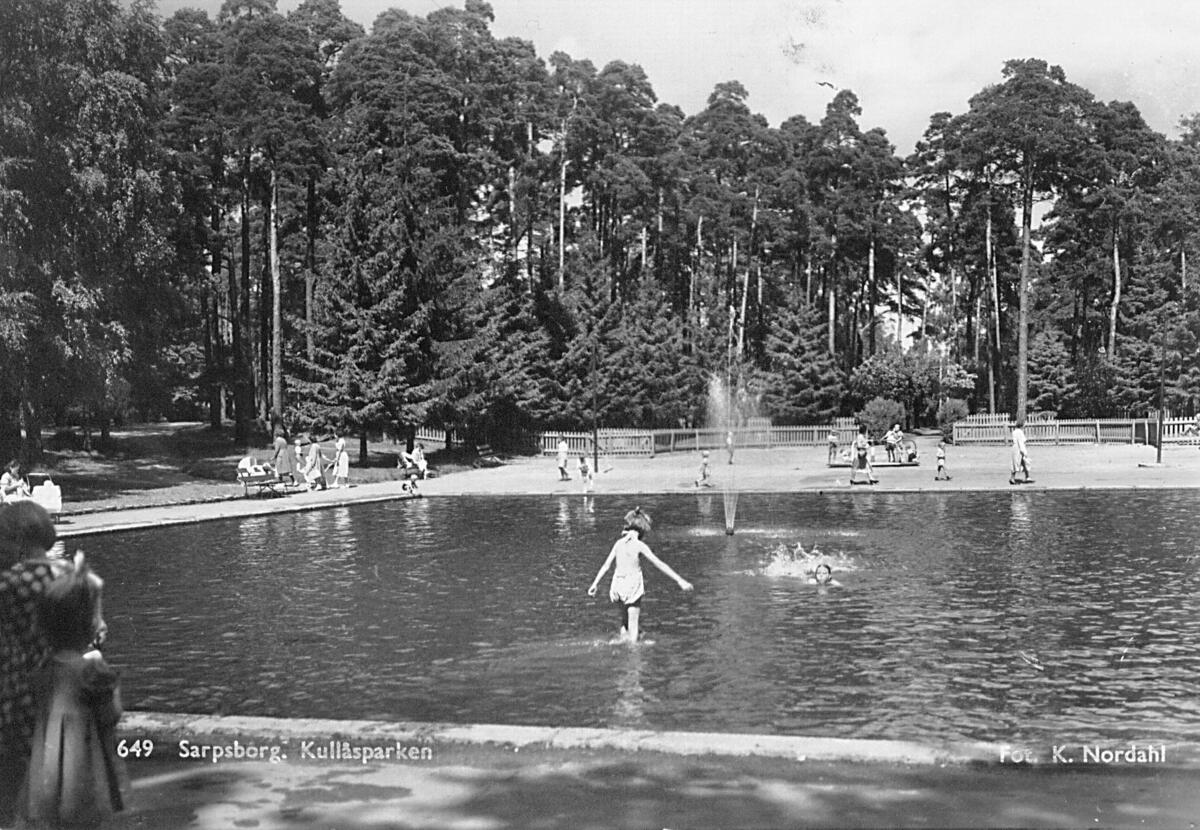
<point>72,777</point>
<point>627,585</point>
<point>704,478</point>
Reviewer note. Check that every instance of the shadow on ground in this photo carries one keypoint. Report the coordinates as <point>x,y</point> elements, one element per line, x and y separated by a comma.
<point>494,788</point>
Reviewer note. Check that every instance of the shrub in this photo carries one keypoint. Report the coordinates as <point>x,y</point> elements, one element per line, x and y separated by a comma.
<point>879,414</point>
<point>949,411</point>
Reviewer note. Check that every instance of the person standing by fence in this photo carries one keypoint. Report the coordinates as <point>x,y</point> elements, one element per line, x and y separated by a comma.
<point>1020,454</point>
<point>564,452</point>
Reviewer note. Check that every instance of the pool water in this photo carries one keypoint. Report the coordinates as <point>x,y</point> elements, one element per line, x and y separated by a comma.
<point>1066,617</point>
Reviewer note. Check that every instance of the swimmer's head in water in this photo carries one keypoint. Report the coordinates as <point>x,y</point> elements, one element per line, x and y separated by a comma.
<point>636,520</point>
<point>823,573</point>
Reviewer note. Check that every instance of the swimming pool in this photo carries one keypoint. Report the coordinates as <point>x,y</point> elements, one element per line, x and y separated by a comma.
<point>1055,616</point>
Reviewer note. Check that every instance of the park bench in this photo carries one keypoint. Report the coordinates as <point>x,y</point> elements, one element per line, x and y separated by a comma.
<point>486,457</point>
<point>262,481</point>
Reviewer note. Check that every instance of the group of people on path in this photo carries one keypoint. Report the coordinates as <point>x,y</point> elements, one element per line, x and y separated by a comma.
<point>59,700</point>
<point>305,464</point>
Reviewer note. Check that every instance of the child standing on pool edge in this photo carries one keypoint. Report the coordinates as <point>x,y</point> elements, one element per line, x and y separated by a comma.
<point>628,586</point>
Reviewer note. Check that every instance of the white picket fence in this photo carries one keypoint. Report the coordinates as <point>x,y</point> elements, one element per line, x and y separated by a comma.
<point>974,429</point>
<point>650,442</point>
<point>995,429</point>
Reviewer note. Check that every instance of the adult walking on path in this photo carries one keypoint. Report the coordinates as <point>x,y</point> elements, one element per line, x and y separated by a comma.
<point>1020,454</point>
<point>314,466</point>
<point>284,460</point>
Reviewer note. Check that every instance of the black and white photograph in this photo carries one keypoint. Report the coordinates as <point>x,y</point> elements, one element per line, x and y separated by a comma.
<point>587,414</point>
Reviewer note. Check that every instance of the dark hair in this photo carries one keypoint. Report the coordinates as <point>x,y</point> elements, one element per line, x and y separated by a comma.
<point>26,529</point>
<point>824,565</point>
<point>67,609</point>
<point>862,427</point>
<point>638,521</point>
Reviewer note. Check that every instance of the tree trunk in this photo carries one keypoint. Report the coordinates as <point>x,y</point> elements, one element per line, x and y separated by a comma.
<point>243,383</point>
<point>746,279</point>
<point>950,259</point>
<point>262,380</point>
<point>978,325</point>
<point>1023,289</point>
<point>562,213</point>
<point>1116,300</point>
<point>925,322</point>
<point>212,330</point>
<point>830,284</point>
<point>994,285</point>
<point>874,290</point>
<point>31,423</point>
<point>310,266</point>
<point>276,315</point>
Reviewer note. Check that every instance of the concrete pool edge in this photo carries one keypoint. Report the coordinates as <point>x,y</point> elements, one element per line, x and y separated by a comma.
<point>328,737</point>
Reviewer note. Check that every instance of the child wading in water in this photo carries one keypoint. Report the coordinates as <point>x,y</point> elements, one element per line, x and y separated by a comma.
<point>627,586</point>
<point>72,777</point>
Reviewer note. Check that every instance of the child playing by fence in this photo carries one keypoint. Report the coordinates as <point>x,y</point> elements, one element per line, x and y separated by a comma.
<point>72,777</point>
<point>585,474</point>
<point>627,585</point>
<point>703,479</point>
<point>942,475</point>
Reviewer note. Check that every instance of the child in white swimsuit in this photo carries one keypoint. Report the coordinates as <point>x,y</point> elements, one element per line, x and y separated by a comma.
<point>627,586</point>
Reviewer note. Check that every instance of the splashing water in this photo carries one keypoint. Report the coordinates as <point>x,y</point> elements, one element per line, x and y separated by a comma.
<point>730,497</point>
<point>797,562</point>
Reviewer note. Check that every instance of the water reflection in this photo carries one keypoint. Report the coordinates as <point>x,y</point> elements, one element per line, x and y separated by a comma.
<point>1064,616</point>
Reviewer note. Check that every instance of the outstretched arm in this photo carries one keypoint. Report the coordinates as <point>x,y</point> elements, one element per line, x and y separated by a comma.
<point>612,554</point>
<point>667,569</point>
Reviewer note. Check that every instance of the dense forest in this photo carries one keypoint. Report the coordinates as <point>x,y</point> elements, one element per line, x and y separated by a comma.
<point>283,221</point>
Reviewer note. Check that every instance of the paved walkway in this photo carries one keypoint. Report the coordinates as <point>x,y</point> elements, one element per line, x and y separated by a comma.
<point>514,777</point>
<point>508,782</point>
<point>779,470</point>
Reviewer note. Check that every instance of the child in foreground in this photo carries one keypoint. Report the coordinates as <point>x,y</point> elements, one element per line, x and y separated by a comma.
<point>72,778</point>
<point>627,585</point>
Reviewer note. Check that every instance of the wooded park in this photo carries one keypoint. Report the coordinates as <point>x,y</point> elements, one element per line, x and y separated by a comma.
<point>284,222</point>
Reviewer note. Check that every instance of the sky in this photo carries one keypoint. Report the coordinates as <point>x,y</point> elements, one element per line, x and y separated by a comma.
<point>904,59</point>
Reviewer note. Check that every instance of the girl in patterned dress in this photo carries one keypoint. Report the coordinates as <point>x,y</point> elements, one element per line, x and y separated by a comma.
<point>73,778</point>
<point>26,534</point>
